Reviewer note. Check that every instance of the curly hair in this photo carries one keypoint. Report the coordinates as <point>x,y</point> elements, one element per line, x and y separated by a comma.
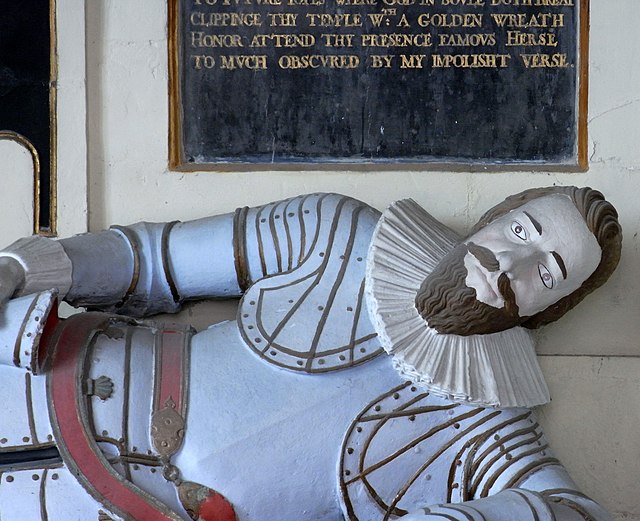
<point>601,219</point>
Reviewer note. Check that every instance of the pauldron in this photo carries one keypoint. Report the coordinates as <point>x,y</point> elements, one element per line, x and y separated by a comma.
<point>305,308</point>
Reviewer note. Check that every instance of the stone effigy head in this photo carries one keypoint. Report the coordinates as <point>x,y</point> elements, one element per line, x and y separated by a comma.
<point>527,261</point>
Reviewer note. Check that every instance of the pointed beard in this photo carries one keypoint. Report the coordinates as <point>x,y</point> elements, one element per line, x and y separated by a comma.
<point>449,306</point>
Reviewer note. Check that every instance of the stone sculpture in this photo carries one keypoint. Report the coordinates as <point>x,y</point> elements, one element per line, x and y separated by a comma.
<point>294,411</point>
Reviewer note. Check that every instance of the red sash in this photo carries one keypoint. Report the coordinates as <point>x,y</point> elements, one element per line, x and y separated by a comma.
<point>70,422</point>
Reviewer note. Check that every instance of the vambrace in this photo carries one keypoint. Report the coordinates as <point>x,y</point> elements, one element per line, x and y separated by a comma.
<point>508,505</point>
<point>509,473</point>
<point>151,289</point>
<point>520,504</point>
<point>121,270</point>
<point>149,268</point>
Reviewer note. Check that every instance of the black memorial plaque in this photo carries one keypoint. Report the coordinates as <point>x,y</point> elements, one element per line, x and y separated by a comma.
<point>25,86</point>
<point>444,81</point>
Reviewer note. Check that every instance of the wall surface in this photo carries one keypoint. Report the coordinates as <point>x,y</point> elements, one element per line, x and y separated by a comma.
<point>16,199</point>
<point>590,357</point>
<point>71,118</point>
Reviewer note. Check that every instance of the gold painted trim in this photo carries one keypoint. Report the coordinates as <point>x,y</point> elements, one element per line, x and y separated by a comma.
<point>42,494</point>
<point>10,135</point>
<point>30,414</point>
<point>243,276</point>
<point>370,166</point>
<point>583,88</point>
<point>53,132</point>
<point>166,264</point>
<point>134,245</point>
<point>176,154</point>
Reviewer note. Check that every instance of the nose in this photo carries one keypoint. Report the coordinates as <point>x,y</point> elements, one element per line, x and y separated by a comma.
<point>512,260</point>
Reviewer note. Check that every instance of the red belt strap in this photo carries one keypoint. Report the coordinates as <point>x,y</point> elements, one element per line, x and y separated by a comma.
<point>170,383</point>
<point>168,423</point>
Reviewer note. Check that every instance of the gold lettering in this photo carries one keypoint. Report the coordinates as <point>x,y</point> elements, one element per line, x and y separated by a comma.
<point>448,29</point>
<point>226,19</point>
<point>202,60</point>
<point>379,61</point>
<point>282,19</point>
<point>334,20</point>
<point>466,40</point>
<point>450,20</point>
<point>550,61</point>
<point>403,21</point>
<point>376,19</point>
<point>470,61</point>
<point>243,61</point>
<point>468,3</point>
<point>357,2</point>
<point>411,61</point>
<point>283,40</point>
<point>396,40</point>
<point>338,40</point>
<point>316,61</point>
<point>201,39</point>
<point>519,38</point>
<point>524,21</point>
<point>399,2</point>
<point>305,2</point>
<point>534,3</point>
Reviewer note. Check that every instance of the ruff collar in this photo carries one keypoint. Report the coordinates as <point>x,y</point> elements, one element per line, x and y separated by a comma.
<point>496,370</point>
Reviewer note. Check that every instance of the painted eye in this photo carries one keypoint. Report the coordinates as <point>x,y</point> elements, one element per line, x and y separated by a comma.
<point>545,276</point>
<point>518,230</point>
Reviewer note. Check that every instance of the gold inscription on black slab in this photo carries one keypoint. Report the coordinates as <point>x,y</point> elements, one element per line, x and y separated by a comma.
<point>453,81</point>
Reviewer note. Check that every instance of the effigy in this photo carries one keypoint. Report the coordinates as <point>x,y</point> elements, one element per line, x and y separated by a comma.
<point>380,366</point>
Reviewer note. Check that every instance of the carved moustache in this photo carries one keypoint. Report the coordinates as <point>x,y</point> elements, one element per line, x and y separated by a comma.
<point>489,262</point>
<point>450,306</point>
<point>485,256</point>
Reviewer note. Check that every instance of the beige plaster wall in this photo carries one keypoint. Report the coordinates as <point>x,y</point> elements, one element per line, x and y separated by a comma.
<point>71,118</point>
<point>594,418</point>
<point>18,179</point>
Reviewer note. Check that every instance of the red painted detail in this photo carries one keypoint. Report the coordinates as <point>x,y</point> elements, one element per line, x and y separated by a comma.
<point>78,448</point>
<point>44,347</point>
<point>170,379</point>
<point>216,508</point>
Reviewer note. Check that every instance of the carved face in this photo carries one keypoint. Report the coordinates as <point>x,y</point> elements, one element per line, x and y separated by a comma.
<point>544,248</point>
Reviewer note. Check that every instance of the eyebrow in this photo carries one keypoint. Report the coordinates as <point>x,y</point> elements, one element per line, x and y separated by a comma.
<point>535,223</point>
<point>560,262</point>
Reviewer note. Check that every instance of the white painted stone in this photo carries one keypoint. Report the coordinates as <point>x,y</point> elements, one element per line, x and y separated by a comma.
<point>130,183</point>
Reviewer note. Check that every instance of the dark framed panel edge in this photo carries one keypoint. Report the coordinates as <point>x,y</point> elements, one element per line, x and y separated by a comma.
<point>177,162</point>
<point>52,203</point>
